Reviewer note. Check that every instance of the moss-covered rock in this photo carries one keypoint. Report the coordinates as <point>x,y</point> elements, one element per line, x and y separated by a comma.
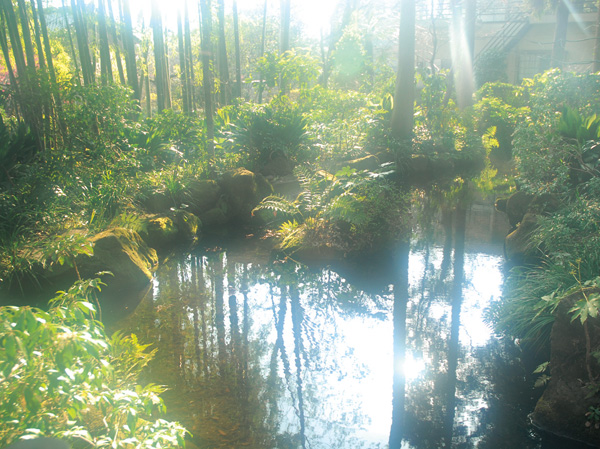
<point>160,231</point>
<point>189,225</point>
<point>123,253</point>
<point>202,195</point>
<point>243,190</point>
<point>214,218</point>
<point>517,246</point>
<point>570,392</point>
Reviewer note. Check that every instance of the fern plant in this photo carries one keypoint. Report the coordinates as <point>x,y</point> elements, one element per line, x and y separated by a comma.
<point>349,211</point>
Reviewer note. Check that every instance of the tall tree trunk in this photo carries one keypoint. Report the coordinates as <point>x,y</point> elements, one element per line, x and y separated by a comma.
<point>38,35</point>
<point>26,34</point>
<point>130,63</point>
<point>560,34</point>
<point>207,81</point>
<point>105,62</point>
<point>596,66</point>
<point>189,57</point>
<point>183,66</point>
<point>237,92</point>
<point>82,44</point>
<point>117,43</point>
<point>71,45</point>
<point>224,82</point>
<point>47,47</point>
<point>167,68</point>
<point>404,94</point>
<point>7,61</point>
<point>261,86</point>
<point>159,57</point>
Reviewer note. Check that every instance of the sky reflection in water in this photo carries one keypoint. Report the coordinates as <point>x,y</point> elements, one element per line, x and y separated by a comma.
<point>266,356</point>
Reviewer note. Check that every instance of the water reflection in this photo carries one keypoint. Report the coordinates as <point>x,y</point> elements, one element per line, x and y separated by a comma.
<point>272,355</point>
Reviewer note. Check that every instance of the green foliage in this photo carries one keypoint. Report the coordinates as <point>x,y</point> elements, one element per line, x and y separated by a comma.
<point>349,58</point>
<point>261,131</point>
<point>296,68</point>
<point>573,125</point>
<point>98,117</point>
<point>351,212</point>
<point>499,106</point>
<point>562,105</point>
<point>63,377</point>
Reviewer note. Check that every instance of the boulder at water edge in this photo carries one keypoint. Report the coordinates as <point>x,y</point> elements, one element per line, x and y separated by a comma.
<point>122,252</point>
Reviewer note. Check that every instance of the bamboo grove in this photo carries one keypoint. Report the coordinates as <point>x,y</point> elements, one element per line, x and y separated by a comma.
<point>103,48</point>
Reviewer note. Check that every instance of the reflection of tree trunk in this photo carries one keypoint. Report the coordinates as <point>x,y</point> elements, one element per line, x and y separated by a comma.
<point>279,346</point>
<point>297,331</point>
<point>399,319</point>
<point>244,389</point>
<point>203,300</point>
<point>453,345</point>
<point>220,313</point>
<point>197,291</point>
<point>447,250</point>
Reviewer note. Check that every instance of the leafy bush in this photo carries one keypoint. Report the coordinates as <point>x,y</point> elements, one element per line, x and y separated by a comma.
<point>351,212</point>
<point>257,133</point>
<point>499,106</point>
<point>542,150</point>
<point>63,377</point>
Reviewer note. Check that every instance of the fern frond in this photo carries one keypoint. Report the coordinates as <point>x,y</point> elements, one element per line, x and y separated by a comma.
<point>292,234</point>
<point>278,204</point>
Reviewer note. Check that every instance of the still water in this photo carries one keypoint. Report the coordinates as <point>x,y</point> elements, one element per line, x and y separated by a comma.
<point>394,352</point>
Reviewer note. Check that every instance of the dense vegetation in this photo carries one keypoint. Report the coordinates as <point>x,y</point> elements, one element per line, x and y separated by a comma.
<point>84,147</point>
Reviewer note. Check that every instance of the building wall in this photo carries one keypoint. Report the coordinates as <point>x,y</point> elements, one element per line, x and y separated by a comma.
<point>530,55</point>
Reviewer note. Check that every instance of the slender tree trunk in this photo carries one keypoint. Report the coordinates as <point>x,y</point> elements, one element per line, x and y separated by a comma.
<point>82,44</point>
<point>71,45</point>
<point>38,35</point>
<point>159,58</point>
<point>596,66</point>
<point>207,81</point>
<point>117,43</point>
<point>404,96</point>
<point>167,69</point>
<point>224,82</point>
<point>560,34</point>
<point>238,63</point>
<point>7,61</point>
<point>183,66</point>
<point>15,40</point>
<point>130,64</point>
<point>261,86</point>
<point>48,50</point>
<point>189,57</point>
<point>26,34</point>
<point>105,62</point>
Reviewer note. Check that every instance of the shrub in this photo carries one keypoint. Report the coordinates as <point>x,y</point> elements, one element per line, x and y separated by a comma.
<point>63,377</point>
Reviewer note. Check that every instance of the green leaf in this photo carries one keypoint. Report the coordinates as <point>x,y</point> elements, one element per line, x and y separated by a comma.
<point>32,401</point>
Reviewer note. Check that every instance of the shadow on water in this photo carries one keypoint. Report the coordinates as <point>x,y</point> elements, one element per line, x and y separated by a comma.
<point>263,354</point>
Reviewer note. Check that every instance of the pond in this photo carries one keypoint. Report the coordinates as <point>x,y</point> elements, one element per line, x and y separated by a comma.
<point>391,352</point>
